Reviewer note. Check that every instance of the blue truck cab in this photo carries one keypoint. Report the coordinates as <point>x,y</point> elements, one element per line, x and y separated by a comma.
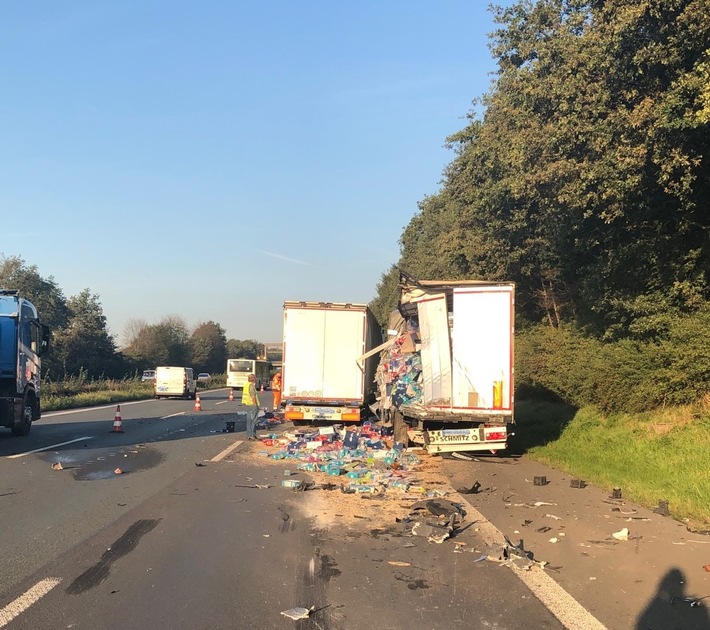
<point>23,339</point>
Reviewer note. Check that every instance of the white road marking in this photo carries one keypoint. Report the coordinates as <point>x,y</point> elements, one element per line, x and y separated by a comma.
<point>23,602</point>
<point>46,448</point>
<point>226,451</point>
<point>172,415</point>
<point>571,614</point>
<point>68,411</point>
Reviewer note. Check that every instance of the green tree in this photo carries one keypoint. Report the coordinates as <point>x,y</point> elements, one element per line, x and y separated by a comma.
<point>243,349</point>
<point>208,348</point>
<point>42,292</point>
<point>84,345</point>
<point>164,343</point>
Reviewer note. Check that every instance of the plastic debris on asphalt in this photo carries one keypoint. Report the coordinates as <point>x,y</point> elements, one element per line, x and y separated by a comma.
<point>298,613</point>
<point>622,534</point>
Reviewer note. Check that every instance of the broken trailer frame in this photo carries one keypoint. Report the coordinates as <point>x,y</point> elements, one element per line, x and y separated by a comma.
<point>446,376</point>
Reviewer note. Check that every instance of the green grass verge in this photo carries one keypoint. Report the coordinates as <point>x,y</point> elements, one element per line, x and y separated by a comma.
<point>75,393</point>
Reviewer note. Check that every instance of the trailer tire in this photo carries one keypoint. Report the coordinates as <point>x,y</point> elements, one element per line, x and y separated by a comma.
<point>399,427</point>
<point>28,404</point>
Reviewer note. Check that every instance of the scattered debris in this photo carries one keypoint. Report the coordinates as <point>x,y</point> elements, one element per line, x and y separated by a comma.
<point>553,517</point>
<point>118,471</point>
<point>398,563</point>
<point>616,493</point>
<point>622,534</point>
<point>540,480</point>
<point>463,456</point>
<point>544,530</point>
<point>707,568</point>
<point>577,483</point>
<point>259,486</point>
<point>662,508</point>
<point>298,613</point>
<point>474,489</point>
<point>440,507</point>
<point>57,466</point>
<point>693,601</point>
<point>433,532</point>
<point>516,550</point>
<point>624,512</point>
<point>553,540</point>
<point>200,464</point>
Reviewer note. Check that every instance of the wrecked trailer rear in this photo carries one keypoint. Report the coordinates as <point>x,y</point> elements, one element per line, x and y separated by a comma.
<point>446,377</point>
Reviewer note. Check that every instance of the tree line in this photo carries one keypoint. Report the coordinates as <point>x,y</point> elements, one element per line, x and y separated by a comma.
<point>82,345</point>
<point>585,179</point>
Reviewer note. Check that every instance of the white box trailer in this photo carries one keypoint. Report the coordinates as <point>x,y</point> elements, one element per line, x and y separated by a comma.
<point>324,377</point>
<point>446,379</point>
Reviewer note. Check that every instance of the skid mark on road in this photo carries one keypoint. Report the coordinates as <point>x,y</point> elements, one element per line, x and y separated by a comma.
<point>123,546</point>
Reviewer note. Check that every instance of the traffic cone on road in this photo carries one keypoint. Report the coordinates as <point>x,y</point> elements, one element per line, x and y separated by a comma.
<point>231,394</point>
<point>117,422</point>
<point>198,404</point>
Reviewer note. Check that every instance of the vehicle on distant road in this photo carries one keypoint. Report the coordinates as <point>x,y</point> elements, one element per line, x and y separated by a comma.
<point>148,375</point>
<point>175,381</point>
<point>203,376</point>
<point>238,371</point>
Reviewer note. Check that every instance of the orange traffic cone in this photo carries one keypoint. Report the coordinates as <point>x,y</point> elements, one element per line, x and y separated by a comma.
<point>231,394</point>
<point>198,405</point>
<point>117,422</point>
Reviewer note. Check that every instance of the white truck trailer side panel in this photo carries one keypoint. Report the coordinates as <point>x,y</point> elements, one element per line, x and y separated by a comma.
<point>483,347</point>
<point>321,348</point>
<point>436,348</point>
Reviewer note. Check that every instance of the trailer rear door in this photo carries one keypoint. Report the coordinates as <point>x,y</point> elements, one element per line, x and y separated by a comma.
<point>482,343</point>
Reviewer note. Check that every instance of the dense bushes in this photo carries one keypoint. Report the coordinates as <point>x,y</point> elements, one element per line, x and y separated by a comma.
<point>626,375</point>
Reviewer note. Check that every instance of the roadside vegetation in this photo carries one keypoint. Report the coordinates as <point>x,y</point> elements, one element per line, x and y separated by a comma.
<point>78,391</point>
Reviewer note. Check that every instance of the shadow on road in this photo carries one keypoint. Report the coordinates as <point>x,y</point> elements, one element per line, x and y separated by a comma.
<point>673,608</point>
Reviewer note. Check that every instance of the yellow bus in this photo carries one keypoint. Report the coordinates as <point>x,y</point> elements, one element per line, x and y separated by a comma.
<point>238,371</point>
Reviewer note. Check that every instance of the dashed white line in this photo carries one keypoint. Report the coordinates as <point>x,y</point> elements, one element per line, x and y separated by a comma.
<point>23,602</point>
<point>173,415</point>
<point>69,411</point>
<point>226,451</point>
<point>46,448</point>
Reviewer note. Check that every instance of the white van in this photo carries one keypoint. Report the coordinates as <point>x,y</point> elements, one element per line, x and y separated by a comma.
<point>175,381</point>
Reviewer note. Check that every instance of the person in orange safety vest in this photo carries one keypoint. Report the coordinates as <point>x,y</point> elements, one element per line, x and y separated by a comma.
<point>276,389</point>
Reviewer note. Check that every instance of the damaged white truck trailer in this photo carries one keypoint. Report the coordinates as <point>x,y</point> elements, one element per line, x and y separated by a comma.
<point>445,377</point>
<point>322,377</point>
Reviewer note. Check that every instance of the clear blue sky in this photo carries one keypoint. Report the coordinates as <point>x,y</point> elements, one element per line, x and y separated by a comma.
<point>213,159</point>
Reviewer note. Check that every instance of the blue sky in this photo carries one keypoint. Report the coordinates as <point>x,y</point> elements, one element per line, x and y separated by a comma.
<point>211,160</point>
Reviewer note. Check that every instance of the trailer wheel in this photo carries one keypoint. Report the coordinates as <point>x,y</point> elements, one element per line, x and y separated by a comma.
<point>25,424</point>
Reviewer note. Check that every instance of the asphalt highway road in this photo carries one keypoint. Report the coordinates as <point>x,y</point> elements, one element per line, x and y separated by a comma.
<point>46,512</point>
<point>190,536</point>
